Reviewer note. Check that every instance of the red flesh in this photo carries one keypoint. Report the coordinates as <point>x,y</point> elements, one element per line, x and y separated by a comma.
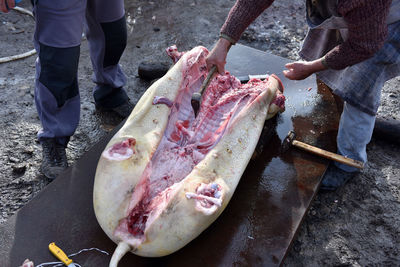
<point>121,147</point>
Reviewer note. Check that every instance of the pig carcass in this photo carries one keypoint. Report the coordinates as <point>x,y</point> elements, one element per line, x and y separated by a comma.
<point>166,175</point>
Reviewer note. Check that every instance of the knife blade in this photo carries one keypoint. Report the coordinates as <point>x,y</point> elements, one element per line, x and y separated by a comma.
<point>196,97</point>
<point>246,78</point>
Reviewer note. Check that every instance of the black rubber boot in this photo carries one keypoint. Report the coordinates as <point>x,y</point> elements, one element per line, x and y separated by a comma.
<point>54,158</point>
<point>335,177</point>
<point>123,110</point>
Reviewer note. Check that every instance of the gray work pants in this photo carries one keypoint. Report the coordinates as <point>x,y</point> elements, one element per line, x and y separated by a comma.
<point>57,39</point>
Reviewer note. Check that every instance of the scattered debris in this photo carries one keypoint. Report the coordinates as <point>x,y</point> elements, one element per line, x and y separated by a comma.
<point>23,55</point>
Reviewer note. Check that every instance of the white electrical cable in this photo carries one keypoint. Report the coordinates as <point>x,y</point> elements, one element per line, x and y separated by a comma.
<point>87,249</point>
<point>23,55</point>
<point>23,11</point>
<point>59,263</point>
<point>19,56</point>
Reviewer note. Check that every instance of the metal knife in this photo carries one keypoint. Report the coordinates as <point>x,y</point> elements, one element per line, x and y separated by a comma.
<point>196,97</point>
<point>245,79</point>
<point>61,255</point>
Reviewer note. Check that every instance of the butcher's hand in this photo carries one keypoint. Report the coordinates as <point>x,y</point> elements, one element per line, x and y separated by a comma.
<point>218,55</point>
<point>300,70</point>
<point>3,6</point>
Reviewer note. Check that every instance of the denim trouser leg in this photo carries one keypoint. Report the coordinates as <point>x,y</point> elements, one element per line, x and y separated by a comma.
<point>355,132</point>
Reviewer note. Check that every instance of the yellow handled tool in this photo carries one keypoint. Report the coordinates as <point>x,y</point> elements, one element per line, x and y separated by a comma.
<point>61,255</point>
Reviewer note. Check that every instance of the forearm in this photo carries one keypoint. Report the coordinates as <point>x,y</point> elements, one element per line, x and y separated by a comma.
<point>241,15</point>
<point>367,33</point>
<point>318,65</point>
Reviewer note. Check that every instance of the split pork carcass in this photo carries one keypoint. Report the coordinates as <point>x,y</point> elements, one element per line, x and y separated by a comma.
<point>166,175</point>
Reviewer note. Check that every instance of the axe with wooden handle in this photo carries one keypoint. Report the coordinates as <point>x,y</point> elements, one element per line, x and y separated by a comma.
<point>290,140</point>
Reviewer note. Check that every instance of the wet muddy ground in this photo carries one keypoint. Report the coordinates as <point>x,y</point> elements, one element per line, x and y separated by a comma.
<point>358,225</point>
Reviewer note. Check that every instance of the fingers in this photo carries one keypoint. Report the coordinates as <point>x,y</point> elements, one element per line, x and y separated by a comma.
<point>289,74</point>
<point>11,4</point>
<point>298,70</point>
<point>3,7</point>
<point>293,74</point>
<point>221,69</point>
<point>212,61</point>
<point>290,65</point>
<point>296,65</point>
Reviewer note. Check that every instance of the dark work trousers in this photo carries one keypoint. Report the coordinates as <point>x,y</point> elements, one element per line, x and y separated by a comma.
<point>58,34</point>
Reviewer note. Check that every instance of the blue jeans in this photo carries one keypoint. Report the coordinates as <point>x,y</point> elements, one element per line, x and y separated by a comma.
<point>355,132</point>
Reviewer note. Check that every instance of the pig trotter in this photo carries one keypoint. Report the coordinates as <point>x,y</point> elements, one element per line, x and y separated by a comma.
<point>119,252</point>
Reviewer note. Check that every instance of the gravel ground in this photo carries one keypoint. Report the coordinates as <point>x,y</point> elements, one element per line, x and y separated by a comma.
<point>356,226</point>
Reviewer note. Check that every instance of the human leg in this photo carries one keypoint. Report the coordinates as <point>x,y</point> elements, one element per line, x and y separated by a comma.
<point>56,92</point>
<point>107,35</point>
<point>355,132</point>
<point>360,86</point>
<point>59,26</point>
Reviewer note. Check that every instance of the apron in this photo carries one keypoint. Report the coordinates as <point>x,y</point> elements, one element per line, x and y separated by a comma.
<point>360,84</point>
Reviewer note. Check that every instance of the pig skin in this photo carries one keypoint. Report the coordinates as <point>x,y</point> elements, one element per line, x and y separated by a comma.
<point>179,221</point>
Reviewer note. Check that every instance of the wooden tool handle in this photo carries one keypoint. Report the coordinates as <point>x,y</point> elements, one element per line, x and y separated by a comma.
<point>329,155</point>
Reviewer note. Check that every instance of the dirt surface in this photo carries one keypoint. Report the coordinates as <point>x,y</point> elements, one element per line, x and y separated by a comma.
<point>358,225</point>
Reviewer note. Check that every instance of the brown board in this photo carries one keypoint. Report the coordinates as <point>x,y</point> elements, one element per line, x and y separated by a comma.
<point>258,225</point>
